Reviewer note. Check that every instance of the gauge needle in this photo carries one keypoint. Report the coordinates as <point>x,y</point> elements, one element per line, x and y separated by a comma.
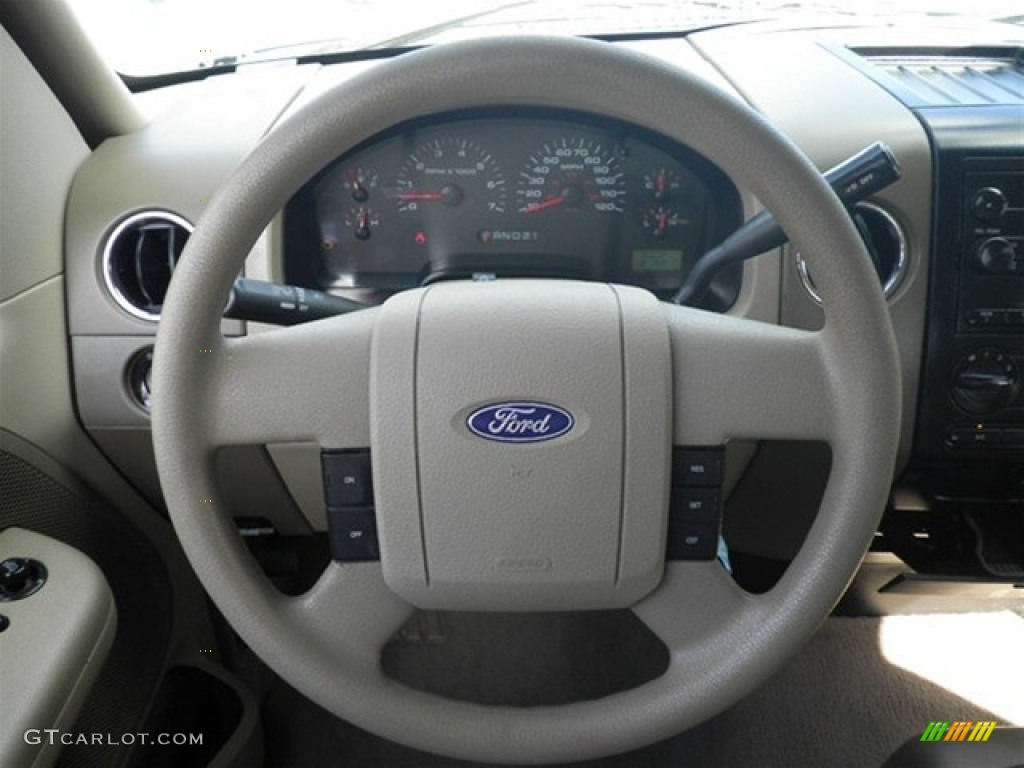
<point>408,197</point>
<point>549,203</point>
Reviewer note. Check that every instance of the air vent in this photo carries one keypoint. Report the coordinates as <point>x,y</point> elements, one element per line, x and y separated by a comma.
<point>959,78</point>
<point>886,244</point>
<point>139,256</point>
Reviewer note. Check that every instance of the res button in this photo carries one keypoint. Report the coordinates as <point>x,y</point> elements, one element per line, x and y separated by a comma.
<point>697,467</point>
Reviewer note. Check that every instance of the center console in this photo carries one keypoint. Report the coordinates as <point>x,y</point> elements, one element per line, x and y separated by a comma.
<point>972,397</point>
<point>959,507</point>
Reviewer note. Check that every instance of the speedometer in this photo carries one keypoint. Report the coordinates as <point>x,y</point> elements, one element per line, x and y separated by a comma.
<point>575,174</point>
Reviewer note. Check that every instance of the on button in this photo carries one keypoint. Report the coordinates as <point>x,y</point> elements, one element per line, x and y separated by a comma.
<point>347,479</point>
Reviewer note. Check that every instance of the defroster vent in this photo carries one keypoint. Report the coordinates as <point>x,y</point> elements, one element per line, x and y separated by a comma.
<point>138,258</point>
<point>968,77</point>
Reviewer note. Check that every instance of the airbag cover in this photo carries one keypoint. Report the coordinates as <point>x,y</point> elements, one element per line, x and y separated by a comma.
<point>521,444</point>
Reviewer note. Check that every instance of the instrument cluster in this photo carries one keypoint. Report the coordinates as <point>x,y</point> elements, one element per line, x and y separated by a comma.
<point>510,194</point>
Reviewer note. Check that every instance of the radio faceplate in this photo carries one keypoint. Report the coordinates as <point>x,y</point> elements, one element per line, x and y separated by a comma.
<point>991,295</point>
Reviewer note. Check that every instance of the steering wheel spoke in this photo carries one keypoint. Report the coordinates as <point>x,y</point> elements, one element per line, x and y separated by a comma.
<point>737,378</point>
<point>351,610</point>
<point>306,382</point>
<point>694,601</point>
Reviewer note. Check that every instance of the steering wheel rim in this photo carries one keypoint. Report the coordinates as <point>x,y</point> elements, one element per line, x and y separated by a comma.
<point>723,643</point>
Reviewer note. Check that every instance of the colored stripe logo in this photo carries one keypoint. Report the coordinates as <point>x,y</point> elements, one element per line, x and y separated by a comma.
<point>958,730</point>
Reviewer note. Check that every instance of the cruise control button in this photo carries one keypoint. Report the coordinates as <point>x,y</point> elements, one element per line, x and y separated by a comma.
<point>695,505</point>
<point>698,466</point>
<point>352,534</point>
<point>692,541</point>
<point>347,479</point>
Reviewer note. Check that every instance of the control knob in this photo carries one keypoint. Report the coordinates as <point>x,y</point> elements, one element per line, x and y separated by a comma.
<point>985,381</point>
<point>999,256</point>
<point>989,204</point>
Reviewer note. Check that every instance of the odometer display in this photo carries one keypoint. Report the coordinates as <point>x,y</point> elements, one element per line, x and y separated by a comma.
<point>571,174</point>
<point>657,260</point>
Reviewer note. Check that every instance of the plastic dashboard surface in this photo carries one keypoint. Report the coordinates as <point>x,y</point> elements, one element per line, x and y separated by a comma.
<point>523,194</point>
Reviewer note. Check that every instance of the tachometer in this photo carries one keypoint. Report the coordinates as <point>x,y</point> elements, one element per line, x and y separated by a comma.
<point>576,174</point>
<point>452,172</point>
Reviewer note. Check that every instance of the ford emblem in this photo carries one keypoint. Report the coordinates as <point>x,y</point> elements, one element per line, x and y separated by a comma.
<point>520,422</point>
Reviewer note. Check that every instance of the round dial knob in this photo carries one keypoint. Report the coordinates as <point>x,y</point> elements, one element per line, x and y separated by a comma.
<point>998,256</point>
<point>985,381</point>
<point>988,204</point>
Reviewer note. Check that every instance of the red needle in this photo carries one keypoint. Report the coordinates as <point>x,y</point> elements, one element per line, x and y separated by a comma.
<point>549,203</point>
<point>662,222</point>
<point>412,196</point>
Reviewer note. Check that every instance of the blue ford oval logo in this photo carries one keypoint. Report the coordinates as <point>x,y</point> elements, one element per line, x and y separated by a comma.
<point>524,422</point>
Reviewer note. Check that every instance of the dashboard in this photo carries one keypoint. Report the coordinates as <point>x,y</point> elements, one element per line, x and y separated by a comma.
<point>511,193</point>
<point>493,191</point>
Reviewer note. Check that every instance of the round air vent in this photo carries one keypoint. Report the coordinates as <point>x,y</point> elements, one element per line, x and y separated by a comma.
<point>139,257</point>
<point>886,244</point>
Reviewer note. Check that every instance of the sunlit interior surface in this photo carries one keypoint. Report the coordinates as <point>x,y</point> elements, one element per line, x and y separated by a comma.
<point>978,657</point>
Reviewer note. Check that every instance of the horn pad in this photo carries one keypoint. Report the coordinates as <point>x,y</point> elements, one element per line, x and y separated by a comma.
<point>521,438</point>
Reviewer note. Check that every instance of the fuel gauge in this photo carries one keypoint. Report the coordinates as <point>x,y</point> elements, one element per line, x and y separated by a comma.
<point>660,220</point>
<point>661,184</point>
<point>359,184</point>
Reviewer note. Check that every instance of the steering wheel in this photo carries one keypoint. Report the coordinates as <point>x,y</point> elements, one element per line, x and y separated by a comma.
<point>589,519</point>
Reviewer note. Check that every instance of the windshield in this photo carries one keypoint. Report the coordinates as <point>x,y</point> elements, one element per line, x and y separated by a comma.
<point>150,37</point>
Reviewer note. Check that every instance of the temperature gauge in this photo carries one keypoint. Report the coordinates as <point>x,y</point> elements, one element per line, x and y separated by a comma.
<point>361,220</point>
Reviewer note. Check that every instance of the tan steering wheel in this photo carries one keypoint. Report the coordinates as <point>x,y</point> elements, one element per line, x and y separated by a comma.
<point>638,375</point>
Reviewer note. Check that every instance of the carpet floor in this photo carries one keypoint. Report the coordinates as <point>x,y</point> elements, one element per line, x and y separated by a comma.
<point>860,688</point>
